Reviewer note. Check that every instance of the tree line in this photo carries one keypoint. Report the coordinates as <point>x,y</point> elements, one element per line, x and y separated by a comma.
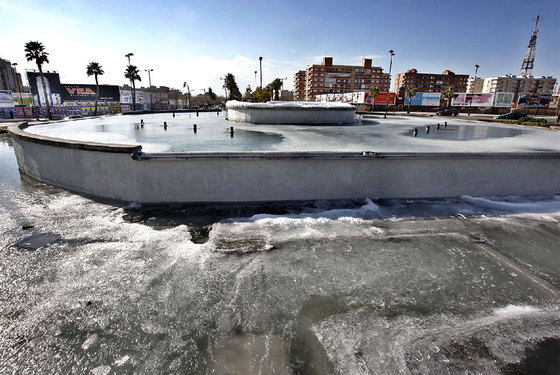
<point>264,94</point>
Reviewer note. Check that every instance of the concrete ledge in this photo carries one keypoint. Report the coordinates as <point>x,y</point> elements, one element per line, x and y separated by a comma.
<point>18,132</point>
<point>290,113</point>
<point>343,155</point>
<point>124,173</point>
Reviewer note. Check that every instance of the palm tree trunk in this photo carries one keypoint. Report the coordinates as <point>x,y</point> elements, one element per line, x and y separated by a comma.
<point>409,101</point>
<point>96,95</point>
<point>45,93</point>
<point>133,96</point>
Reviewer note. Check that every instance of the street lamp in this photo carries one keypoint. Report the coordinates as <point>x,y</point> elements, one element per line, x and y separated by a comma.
<point>188,94</point>
<point>282,86</point>
<point>255,79</point>
<point>225,89</point>
<point>472,88</point>
<point>260,68</point>
<point>390,67</point>
<point>128,55</point>
<point>18,83</point>
<point>150,83</point>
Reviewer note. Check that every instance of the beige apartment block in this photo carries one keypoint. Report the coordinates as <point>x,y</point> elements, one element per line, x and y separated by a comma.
<point>299,85</point>
<point>327,78</point>
<point>519,85</point>
<point>475,85</point>
<point>430,82</point>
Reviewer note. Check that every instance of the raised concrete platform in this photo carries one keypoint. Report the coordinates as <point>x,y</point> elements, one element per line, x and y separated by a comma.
<point>290,112</point>
<point>124,172</point>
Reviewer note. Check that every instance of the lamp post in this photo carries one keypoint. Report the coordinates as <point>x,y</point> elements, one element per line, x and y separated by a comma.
<point>282,86</point>
<point>390,68</point>
<point>188,94</point>
<point>150,83</point>
<point>225,89</point>
<point>19,87</point>
<point>472,89</point>
<point>255,79</point>
<point>128,55</point>
<point>260,69</point>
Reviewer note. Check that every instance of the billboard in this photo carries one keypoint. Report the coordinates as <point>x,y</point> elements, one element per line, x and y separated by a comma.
<point>361,97</point>
<point>534,100</point>
<point>503,99</point>
<point>381,98</point>
<point>477,99</point>
<point>6,99</point>
<point>126,96</point>
<point>52,86</point>
<point>87,93</point>
<point>22,99</point>
<point>425,99</point>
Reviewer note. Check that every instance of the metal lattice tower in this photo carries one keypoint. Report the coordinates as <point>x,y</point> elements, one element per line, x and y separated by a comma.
<point>527,65</point>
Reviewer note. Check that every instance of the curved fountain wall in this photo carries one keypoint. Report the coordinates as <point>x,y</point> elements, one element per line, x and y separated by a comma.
<point>124,173</point>
<point>290,112</point>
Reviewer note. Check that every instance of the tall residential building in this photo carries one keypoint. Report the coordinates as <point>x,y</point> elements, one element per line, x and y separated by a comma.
<point>519,85</point>
<point>475,85</point>
<point>299,85</point>
<point>430,82</point>
<point>327,78</point>
<point>10,79</point>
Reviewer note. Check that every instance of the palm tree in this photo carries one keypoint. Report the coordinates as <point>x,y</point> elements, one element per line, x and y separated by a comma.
<point>448,93</point>
<point>94,69</point>
<point>133,74</point>
<point>35,50</point>
<point>275,86</point>
<point>231,86</point>
<point>374,93</point>
<point>411,93</point>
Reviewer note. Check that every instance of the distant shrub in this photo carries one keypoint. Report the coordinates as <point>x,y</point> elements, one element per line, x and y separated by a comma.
<point>527,119</point>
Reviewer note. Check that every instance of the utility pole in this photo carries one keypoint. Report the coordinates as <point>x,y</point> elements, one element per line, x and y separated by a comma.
<point>128,55</point>
<point>188,94</point>
<point>260,68</point>
<point>150,83</point>
<point>282,87</point>
<point>19,86</point>
<point>388,91</point>
<point>472,90</point>
<point>225,88</point>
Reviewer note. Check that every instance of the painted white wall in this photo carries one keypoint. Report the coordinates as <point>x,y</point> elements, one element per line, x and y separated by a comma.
<point>291,113</point>
<point>287,116</point>
<point>285,176</point>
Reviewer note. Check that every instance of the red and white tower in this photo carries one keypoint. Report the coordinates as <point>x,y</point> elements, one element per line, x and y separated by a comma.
<point>527,65</point>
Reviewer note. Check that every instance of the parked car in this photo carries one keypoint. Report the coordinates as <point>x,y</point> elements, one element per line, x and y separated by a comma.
<point>448,112</point>
<point>516,115</point>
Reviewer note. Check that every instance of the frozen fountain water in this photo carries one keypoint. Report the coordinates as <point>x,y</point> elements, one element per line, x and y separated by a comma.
<point>219,161</point>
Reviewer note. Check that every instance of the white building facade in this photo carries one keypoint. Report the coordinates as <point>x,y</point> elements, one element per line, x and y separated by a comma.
<point>519,85</point>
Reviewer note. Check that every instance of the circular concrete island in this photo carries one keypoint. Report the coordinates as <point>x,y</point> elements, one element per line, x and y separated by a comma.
<point>190,157</point>
<point>291,112</point>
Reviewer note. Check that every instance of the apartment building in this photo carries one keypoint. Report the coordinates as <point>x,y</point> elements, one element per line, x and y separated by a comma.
<point>327,78</point>
<point>299,85</point>
<point>430,82</point>
<point>520,85</point>
<point>10,79</point>
<point>475,85</point>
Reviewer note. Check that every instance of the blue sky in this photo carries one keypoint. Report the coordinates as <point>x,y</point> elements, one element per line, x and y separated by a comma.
<point>200,41</point>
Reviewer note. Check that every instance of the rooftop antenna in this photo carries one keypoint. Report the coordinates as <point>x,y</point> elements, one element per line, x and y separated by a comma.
<point>527,65</point>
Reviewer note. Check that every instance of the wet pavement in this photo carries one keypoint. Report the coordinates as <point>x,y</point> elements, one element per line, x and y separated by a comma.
<point>440,286</point>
